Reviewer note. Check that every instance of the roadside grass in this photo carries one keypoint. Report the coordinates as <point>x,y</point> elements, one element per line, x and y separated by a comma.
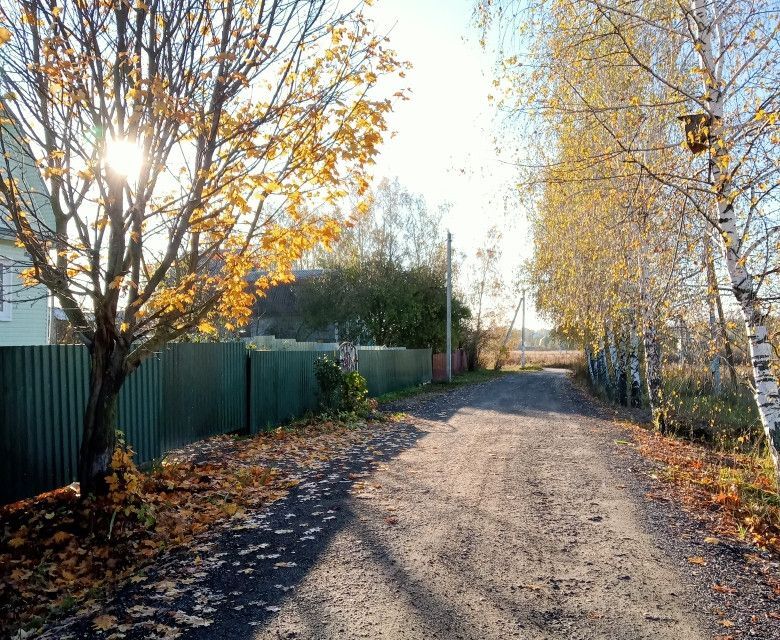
<point>527,367</point>
<point>59,554</point>
<point>467,377</point>
<point>535,358</point>
<point>729,421</point>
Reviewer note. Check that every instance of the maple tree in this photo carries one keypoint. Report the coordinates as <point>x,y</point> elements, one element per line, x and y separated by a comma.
<point>182,144</point>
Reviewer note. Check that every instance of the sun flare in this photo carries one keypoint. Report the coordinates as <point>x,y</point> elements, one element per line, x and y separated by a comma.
<point>124,157</point>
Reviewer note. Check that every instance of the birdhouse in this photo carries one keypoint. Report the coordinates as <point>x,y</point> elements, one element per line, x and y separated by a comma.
<point>697,131</point>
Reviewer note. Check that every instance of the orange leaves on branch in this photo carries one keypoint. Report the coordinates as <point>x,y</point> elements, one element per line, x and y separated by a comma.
<point>284,149</point>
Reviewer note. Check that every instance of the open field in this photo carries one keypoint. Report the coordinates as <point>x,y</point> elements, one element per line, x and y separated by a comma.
<point>564,359</point>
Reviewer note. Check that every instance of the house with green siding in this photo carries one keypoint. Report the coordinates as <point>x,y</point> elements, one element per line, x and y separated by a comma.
<point>24,310</point>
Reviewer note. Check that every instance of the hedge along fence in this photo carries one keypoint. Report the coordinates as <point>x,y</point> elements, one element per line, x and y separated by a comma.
<point>183,394</point>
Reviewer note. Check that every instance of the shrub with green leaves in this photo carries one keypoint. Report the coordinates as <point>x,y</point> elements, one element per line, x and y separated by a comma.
<point>355,393</point>
<point>341,392</point>
<point>329,378</point>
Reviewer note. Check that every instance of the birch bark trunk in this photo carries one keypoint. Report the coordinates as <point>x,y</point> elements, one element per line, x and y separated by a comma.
<point>653,370</point>
<point>622,377</point>
<point>602,365</point>
<point>742,281</point>
<point>591,369</point>
<point>714,351</point>
<point>636,378</point>
<point>613,376</point>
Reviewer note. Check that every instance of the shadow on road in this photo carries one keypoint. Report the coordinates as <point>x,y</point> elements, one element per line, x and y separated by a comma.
<point>232,583</point>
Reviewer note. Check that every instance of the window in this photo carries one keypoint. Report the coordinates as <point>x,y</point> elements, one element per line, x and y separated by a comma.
<point>5,293</point>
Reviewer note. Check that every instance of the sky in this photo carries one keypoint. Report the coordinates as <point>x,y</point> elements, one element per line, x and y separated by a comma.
<point>443,145</point>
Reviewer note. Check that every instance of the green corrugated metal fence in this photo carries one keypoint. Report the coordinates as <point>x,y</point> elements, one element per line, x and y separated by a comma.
<point>39,424</point>
<point>282,386</point>
<point>140,409</point>
<point>391,370</point>
<point>204,392</point>
<point>185,393</point>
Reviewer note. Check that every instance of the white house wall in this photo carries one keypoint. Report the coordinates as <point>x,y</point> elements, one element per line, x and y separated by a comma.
<point>29,319</point>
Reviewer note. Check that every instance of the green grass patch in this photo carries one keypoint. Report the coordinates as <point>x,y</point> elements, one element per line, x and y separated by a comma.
<point>469,377</point>
<point>517,367</point>
<point>729,421</point>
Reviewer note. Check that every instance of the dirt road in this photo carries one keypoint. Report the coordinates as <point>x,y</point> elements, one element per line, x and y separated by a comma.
<point>505,520</point>
<point>505,509</point>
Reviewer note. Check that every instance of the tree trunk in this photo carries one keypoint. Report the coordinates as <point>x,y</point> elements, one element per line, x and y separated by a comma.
<point>654,377</point>
<point>653,372</point>
<point>742,282</point>
<point>727,349</point>
<point>712,286</point>
<point>622,377</point>
<point>613,376</point>
<point>601,365</point>
<point>100,418</point>
<point>636,378</point>
<point>723,332</point>
<point>591,369</point>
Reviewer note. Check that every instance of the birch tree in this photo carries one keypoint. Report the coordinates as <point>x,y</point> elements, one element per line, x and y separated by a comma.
<point>699,75</point>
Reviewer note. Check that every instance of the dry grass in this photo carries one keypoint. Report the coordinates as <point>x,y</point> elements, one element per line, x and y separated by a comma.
<point>561,359</point>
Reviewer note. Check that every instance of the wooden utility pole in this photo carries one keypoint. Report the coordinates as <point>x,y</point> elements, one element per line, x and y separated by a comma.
<point>449,307</point>
<point>522,336</point>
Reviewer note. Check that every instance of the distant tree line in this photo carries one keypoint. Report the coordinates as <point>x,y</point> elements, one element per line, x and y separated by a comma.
<point>384,281</point>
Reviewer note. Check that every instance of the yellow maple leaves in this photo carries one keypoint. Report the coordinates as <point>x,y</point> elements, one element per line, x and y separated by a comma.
<point>223,196</point>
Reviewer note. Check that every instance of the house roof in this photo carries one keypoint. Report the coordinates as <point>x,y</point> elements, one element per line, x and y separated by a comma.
<point>281,299</point>
<point>298,274</point>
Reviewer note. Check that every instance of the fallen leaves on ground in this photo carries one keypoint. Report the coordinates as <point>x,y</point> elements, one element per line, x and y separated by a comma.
<point>58,554</point>
<point>722,588</point>
<point>104,623</point>
<point>735,492</point>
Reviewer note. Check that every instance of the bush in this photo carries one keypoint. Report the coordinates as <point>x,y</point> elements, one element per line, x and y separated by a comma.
<point>329,378</point>
<point>355,393</point>
<point>341,392</point>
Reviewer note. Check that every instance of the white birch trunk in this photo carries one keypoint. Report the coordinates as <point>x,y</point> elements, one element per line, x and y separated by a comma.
<point>633,359</point>
<point>603,374</point>
<point>742,282</point>
<point>589,360</point>
<point>622,375</point>
<point>714,351</point>
<point>614,376</point>
<point>653,371</point>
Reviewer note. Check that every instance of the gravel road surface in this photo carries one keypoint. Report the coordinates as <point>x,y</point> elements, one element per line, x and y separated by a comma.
<point>499,510</point>
<point>504,520</point>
